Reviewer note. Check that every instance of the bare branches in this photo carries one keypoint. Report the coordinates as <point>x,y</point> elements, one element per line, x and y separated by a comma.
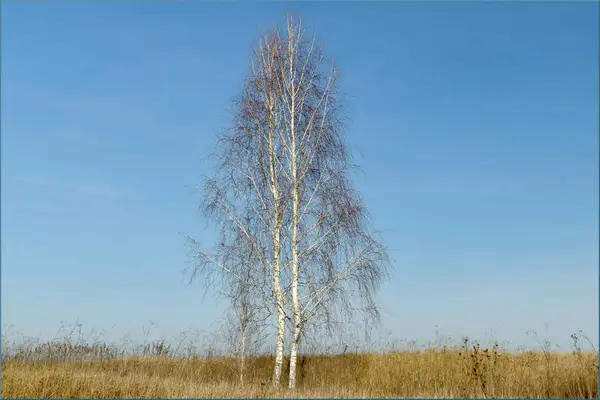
<point>334,262</point>
<point>294,235</point>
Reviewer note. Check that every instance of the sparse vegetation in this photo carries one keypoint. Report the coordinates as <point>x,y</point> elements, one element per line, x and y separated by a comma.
<point>69,368</point>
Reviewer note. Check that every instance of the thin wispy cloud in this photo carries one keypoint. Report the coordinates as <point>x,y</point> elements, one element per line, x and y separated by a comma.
<point>88,189</point>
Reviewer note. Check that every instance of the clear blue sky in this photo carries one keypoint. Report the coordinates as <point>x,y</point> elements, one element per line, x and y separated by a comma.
<point>476,125</point>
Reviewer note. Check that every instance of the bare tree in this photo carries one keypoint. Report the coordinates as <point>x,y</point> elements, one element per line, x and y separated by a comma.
<point>293,230</point>
<point>336,263</point>
<point>244,326</point>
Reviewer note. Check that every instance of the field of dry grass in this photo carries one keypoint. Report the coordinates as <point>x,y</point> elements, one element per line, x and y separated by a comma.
<point>463,371</point>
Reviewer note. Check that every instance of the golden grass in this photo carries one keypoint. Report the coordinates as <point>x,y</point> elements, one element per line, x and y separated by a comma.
<point>441,373</point>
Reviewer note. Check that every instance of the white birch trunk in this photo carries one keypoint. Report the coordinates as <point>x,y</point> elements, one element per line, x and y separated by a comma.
<point>295,222</point>
<point>295,277</point>
<point>279,297</point>
<point>280,329</point>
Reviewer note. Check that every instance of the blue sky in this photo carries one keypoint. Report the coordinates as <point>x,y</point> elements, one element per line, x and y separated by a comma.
<point>476,125</point>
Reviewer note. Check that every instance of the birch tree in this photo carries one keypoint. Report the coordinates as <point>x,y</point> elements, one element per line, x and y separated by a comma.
<point>336,263</point>
<point>244,326</point>
<point>284,201</point>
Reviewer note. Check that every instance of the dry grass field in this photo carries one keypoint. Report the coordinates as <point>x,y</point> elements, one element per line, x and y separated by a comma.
<point>464,371</point>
